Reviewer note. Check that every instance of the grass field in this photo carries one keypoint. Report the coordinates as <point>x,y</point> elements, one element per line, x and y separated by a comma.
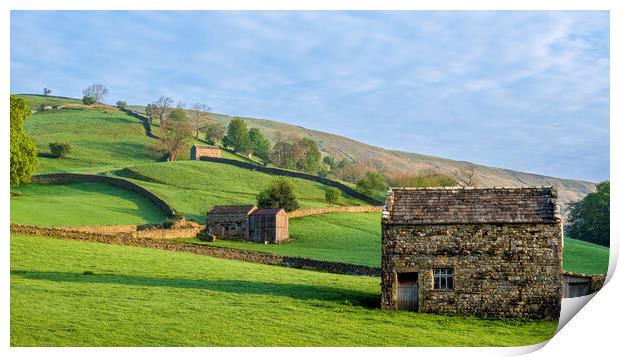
<point>69,293</point>
<point>193,187</point>
<point>356,238</point>
<point>584,257</point>
<point>80,204</point>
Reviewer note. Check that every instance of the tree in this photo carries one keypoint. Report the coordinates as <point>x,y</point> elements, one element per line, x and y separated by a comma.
<point>60,150</point>
<point>279,194</point>
<point>294,152</point>
<point>162,106</point>
<point>88,100</point>
<point>372,183</point>
<point>237,136</point>
<point>467,176</point>
<point>23,151</point>
<point>121,104</point>
<point>332,195</point>
<point>259,145</point>
<point>96,91</point>
<point>214,132</point>
<point>589,218</point>
<point>311,158</point>
<point>151,113</point>
<point>199,117</point>
<point>175,135</point>
<point>46,92</point>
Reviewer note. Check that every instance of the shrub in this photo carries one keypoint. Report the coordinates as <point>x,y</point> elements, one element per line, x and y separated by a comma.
<point>60,150</point>
<point>88,100</point>
<point>23,151</point>
<point>372,183</point>
<point>332,195</point>
<point>122,105</point>
<point>279,194</point>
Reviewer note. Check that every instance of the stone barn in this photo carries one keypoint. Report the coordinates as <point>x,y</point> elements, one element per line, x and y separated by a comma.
<point>487,252</point>
<point>198,151</point>
<point>268,225</point>
<point>229,222</point>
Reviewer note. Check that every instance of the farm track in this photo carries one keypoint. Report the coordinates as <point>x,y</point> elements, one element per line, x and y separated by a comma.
<point>213,251</point>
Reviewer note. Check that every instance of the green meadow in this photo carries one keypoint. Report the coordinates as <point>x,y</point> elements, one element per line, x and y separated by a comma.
<point>71,293</point>
<point>80,204</point>
<point>194,187</point>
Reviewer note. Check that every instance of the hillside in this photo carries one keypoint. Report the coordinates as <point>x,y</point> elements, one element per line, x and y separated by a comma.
<point>106,135</point>
<point>393,160</point>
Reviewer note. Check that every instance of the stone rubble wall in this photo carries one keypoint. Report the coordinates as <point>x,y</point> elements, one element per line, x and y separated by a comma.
<point>311,211</point>
<point>500,270</point>
<point>200,249</point>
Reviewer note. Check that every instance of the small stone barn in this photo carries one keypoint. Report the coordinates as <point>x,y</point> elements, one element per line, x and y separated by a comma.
<point>198,151</point>
<point>487,252</point>
<point>229,222</point>
<point>268,225</point>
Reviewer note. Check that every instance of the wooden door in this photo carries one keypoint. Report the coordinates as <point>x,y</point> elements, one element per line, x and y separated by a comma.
<point>408,291</point>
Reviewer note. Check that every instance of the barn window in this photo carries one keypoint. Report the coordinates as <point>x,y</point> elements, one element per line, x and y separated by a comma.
<point>443,278</point>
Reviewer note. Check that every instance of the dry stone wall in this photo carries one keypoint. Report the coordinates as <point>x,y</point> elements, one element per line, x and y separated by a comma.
<point>356,209</point>
<point>201,249</point>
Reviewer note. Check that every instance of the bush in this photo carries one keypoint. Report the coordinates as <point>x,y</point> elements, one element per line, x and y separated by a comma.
<point>279,194</point>
<point>88,100</point>
<point>122,105</point>
<point>372,183</point>
<point>60,150</point>
<point>332,195</point>
<point>23,151</point>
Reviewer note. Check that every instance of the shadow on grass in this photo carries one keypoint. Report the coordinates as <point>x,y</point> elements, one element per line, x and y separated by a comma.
<point>295,291</point>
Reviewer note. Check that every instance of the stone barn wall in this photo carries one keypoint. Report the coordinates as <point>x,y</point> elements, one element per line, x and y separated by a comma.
<point>499,270</point>
<point>503,246</point>
<point>199,151</point>
<point>229,222</point>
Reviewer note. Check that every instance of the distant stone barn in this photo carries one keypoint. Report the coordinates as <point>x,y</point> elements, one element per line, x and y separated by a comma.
<point>198,151</point>
<point>268,225</point>
<point>487,252</point>
<point>229,222</point>
<point>248,223</point>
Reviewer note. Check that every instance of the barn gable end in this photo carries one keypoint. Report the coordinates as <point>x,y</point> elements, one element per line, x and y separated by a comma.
<point>487,252</point>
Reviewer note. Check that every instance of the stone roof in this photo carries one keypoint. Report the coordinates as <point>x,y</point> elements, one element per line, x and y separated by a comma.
<point>266,211</point>
<point>409,206</point>
<point>238,209</point>
<point>201,146</point>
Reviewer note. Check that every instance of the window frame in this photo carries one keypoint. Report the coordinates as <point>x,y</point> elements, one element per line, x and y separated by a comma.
<point>445,277</point>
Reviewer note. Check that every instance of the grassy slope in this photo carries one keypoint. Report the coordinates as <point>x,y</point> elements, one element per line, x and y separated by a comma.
<point>80,204</point>
<point>140,296</point>
<point>584,257</point>
<point>193,187</point>
<point>100,141</point>
<point>356,238</point>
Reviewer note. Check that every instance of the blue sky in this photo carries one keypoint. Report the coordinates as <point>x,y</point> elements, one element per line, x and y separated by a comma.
<point>522,90</point>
